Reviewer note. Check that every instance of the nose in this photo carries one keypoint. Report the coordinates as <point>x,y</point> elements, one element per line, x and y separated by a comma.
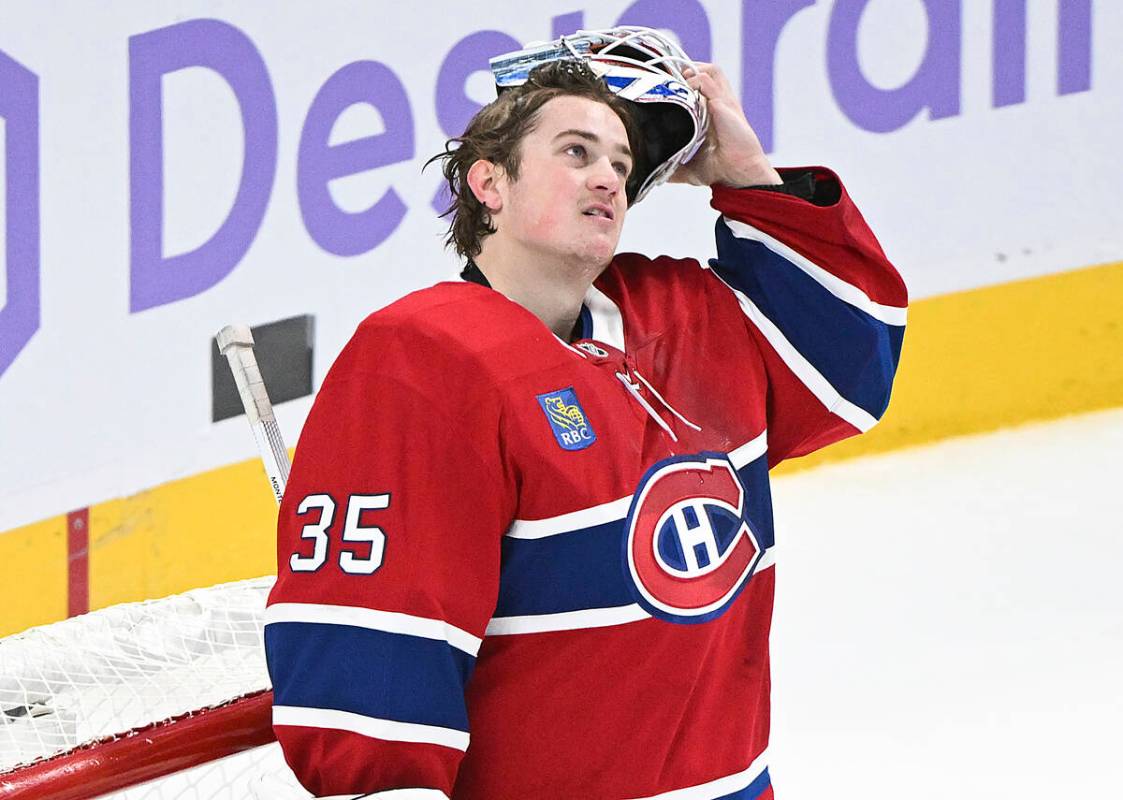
<point>604,177</point>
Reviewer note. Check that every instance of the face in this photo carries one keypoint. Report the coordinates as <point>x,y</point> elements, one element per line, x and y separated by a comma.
<point>569,200</point>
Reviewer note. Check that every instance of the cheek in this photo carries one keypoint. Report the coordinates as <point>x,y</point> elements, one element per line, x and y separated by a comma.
<point>541,223</point>
<point>539,215</point>
<point>541,203</point>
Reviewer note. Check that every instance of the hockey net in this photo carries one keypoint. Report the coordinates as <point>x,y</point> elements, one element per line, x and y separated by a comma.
<point>157,700</point>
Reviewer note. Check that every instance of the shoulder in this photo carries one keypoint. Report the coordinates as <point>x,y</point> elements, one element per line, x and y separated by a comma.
<point>652,286</point>
<point>665,298</point>
<point>429,310</point>
<point>451,333</point>
<point>413,375</point>
<point>647,275</point>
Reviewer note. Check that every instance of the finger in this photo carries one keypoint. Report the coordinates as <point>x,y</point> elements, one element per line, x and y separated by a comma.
<point>709,80</point>
<point>698,67</point>
<point>705,83</point>
<point>720,78</point>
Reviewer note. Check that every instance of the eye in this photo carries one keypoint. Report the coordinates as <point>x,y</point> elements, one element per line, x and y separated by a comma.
<point>577,150</point>
<point>622,168</point>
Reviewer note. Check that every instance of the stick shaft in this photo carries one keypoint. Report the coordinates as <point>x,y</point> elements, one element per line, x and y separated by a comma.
<point>236,343</point>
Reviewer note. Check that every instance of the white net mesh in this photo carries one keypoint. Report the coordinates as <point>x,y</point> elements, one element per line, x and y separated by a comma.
<point>238,777</point>
<point>112,671</point>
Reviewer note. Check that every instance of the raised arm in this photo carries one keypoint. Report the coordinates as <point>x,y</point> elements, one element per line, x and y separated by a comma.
<point>825,306</point>
<point>818,295</point>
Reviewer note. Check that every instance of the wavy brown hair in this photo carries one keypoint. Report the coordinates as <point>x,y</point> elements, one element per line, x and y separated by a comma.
<point>496,132</point>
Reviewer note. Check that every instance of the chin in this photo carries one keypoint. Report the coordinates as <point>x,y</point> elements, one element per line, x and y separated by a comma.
<point>599,252</point>
<point>595,259</point>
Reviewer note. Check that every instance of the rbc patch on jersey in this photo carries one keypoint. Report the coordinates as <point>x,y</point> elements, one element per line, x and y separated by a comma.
<point>690,547</point>
<point>567,419</point>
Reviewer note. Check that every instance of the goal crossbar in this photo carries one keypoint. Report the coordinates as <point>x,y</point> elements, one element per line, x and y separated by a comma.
<point>145,754</point>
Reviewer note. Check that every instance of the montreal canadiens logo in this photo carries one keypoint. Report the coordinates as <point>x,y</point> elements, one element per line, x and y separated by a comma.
<point>690,547</point>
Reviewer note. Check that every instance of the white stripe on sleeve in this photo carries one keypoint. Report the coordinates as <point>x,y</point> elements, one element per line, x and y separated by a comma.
<point>847,292</point>
<point>803,369</point>
<point>386,729</point>
<point>375,620</point>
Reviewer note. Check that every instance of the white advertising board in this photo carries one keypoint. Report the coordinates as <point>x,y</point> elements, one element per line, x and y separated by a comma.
<point>172,167</point>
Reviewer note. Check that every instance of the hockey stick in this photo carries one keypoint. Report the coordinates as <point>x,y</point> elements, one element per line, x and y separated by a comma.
<point>236,343</point>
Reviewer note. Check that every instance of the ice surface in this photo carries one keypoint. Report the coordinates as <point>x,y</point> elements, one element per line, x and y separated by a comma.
<point>949,620</point>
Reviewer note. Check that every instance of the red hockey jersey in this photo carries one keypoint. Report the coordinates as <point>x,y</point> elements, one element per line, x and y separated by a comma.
<point>514,568</point>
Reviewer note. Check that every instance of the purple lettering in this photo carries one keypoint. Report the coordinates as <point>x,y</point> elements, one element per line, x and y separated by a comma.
<point>454,108</point>
<point>1074,46</point>
<point>468,56</point>
<point>762,21</point>
<point>1008,48</point>
<point>935,85</point>
<point>337,231</point>
<point>565,24</point>
<point>689,19</point>
<point>19,106</point>
<point>156,279</point>
<point>1074,49</point>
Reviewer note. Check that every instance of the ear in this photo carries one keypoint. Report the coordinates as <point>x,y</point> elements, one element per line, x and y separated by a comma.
<point>484,179</point>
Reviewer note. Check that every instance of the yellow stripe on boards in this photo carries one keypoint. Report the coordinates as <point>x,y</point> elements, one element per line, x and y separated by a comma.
<point>34,588</point>
<point>204,529</point>
<point>988,358</point>
<point>121,545</point>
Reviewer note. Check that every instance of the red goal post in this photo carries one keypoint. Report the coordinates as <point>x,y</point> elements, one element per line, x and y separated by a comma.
<point>162,699</point>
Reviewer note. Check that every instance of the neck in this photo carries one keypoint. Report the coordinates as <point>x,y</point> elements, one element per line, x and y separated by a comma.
<point>552,290</point>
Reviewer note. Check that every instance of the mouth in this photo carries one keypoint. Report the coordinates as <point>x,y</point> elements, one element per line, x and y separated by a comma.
<point>599,210</point>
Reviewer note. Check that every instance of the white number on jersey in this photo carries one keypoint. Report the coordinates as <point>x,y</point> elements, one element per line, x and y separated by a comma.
<point>316,532</point>
<point>354,532</point>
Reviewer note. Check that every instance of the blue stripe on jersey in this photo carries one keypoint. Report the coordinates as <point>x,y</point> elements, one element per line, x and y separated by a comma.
<point>855,352</point>
<point>758,496</point>
<point>752,791</point>
<point>584,568</point>
<point>384,675</point>
<point>566,572</point>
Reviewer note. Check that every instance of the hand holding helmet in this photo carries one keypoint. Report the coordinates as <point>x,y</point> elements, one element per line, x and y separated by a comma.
<point>732,154</point>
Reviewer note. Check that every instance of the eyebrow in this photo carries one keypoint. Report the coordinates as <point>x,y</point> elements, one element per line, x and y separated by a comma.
<point>591,137</point>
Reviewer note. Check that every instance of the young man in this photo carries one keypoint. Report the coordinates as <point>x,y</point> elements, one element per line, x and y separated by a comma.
<point>526,547</point>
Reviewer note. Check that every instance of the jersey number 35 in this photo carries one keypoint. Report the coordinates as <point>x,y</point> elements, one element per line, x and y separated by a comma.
<point>354,533</point>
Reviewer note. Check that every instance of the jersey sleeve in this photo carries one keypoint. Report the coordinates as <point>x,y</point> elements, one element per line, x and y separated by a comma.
<point>388,567</point>
<point>825,306</point>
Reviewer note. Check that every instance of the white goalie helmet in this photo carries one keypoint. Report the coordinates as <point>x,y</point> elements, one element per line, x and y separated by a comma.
<point>638,64</point>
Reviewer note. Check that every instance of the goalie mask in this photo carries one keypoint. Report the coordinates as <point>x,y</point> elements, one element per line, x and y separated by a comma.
<point>638,64</point>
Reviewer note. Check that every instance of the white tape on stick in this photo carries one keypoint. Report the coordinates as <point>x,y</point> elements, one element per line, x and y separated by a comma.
<point>236,343</point>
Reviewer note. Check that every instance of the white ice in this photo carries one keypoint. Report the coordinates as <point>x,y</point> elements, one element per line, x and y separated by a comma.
<point>949,620</point>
